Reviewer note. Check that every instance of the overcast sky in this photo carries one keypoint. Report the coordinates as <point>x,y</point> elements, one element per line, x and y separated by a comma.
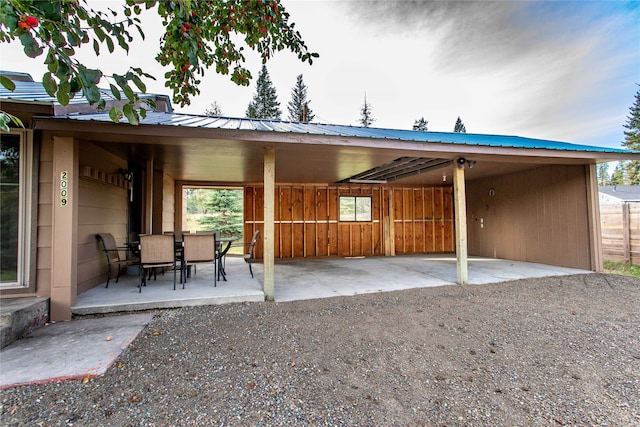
<point>556,70</point>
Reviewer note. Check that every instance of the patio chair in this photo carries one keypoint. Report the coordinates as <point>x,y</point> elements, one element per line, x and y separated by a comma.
<point>199,249</point>
<point>249,257</point>
<point>157,250</point>
<point>112,251</point>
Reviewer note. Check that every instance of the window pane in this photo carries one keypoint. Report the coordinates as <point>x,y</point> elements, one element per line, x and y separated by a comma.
<point>9,206</point>
<point>347,208</point>
<point>363,209</point>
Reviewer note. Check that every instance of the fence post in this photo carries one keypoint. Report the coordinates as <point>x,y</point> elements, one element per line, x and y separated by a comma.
<point>626,233</point>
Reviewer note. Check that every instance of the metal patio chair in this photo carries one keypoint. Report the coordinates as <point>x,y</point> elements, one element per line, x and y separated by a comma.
<point>250,257</point>
<point>112,252</point>
<point>157,250</point>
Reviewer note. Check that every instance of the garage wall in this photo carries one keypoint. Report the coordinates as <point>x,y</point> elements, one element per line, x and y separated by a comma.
<point>307,225</point>
<point>538,215</point>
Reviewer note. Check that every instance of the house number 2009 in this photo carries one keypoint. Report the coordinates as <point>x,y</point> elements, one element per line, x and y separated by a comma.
<point>64,192</point>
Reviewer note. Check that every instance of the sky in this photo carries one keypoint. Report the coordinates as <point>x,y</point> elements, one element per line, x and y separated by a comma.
<point>565,71</point>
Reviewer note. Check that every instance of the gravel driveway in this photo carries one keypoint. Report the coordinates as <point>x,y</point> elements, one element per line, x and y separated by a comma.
<point>549,352</point>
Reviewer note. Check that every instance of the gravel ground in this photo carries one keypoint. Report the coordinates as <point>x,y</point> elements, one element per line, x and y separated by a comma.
<point>550,351</point>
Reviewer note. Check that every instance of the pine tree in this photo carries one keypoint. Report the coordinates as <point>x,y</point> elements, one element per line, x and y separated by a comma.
<point>632,141</point>
<point>299,110</point>
<point>602,172</point>
<point>214,110</point>
<point>618,175</point>
<point>224,212</point>
<point>365,114</point>
<point>265,103</point>
<point>459,127</point>
<point>421,124</point>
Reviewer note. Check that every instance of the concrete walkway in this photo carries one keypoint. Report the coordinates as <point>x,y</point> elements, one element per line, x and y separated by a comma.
<point>73,350</point>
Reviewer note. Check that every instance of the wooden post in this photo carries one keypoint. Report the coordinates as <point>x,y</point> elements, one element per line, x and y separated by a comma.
<point>460,208</point>
<point>593,218</point>
<point>626,233</point>
<point>269,217</point>
<point>64,253</point>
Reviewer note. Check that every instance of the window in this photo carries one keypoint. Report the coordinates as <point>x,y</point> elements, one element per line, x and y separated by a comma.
<point>15,209</point>
<point>355,208</point>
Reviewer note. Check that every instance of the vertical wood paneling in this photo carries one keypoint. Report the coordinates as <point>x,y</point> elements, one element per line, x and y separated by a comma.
<point>307,223</point>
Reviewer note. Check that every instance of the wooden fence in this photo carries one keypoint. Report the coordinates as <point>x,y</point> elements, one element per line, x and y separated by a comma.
<point>620,223</point>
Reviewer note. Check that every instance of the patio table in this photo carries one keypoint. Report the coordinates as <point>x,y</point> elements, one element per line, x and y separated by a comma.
<point>224,244</point>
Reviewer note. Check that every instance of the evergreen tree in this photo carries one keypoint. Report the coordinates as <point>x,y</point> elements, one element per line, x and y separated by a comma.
<point>265,103</point>
<point>459,127</point>
<point>224,212</point>
<point>365,114</point>
<point>299,110</point>
<point>421,124</point>
<point>602,172</point>
<point>618,176</point>
<point>214,110</point>
<point>632,140</point>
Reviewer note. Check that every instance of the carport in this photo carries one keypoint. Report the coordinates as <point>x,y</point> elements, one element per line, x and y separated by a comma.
<point>489,196</point>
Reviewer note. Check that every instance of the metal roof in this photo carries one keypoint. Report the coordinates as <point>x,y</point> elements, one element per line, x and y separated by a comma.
<point>230,123</point>
<point>30,91</point>
<point>629,193</point>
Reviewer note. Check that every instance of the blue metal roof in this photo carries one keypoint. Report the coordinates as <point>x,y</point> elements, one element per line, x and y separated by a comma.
<point>29,91</point>
<point>230,123</point>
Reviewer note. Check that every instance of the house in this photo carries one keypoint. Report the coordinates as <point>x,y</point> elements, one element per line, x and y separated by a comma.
<point>313,190</point>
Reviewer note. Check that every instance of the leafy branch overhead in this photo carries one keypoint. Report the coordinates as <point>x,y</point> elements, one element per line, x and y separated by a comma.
<point>199,35</point>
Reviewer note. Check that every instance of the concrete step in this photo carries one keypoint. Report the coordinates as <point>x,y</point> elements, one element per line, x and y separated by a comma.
<point>20,316</point>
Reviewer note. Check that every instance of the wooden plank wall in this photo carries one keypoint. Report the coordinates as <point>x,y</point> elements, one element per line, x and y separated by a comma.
<point>620,224</point>
<point>306,220</point>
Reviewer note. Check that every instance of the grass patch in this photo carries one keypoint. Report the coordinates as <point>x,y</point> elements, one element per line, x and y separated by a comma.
<point>622,268</point>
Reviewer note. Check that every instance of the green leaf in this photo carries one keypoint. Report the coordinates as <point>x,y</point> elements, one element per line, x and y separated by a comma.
<point>102,104</point>
<point>99,33</point>
<point>92,93</point>
<point>139,83</point>
<point>73,38</point>
<point>63,93</point>
<point>115,91</point>
<point>49,84</point>
<point>115,114</point>
<point>31,47</point>
<point>89,76</point>
<point>129,93</point>
<point>7,83</point>
<point>109,44</point>
<point>96,47</point>
<point>130,114</point>
<point>58,39</point>
<point>143,113</point>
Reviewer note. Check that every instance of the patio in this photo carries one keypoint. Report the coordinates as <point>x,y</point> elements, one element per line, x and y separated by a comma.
<point>306,279</point>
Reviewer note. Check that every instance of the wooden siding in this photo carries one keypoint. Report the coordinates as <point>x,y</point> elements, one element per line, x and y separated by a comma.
<point>620,223</point>
<point>102,208</point>
<point>538,215</point>
<point>45,219</point>
<point>307,223</point>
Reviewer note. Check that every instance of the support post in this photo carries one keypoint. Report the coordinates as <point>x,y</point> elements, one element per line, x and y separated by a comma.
<point>64,254</point>
<point>268,237</point>
<point>593,216</point>
<point>460,209</point>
